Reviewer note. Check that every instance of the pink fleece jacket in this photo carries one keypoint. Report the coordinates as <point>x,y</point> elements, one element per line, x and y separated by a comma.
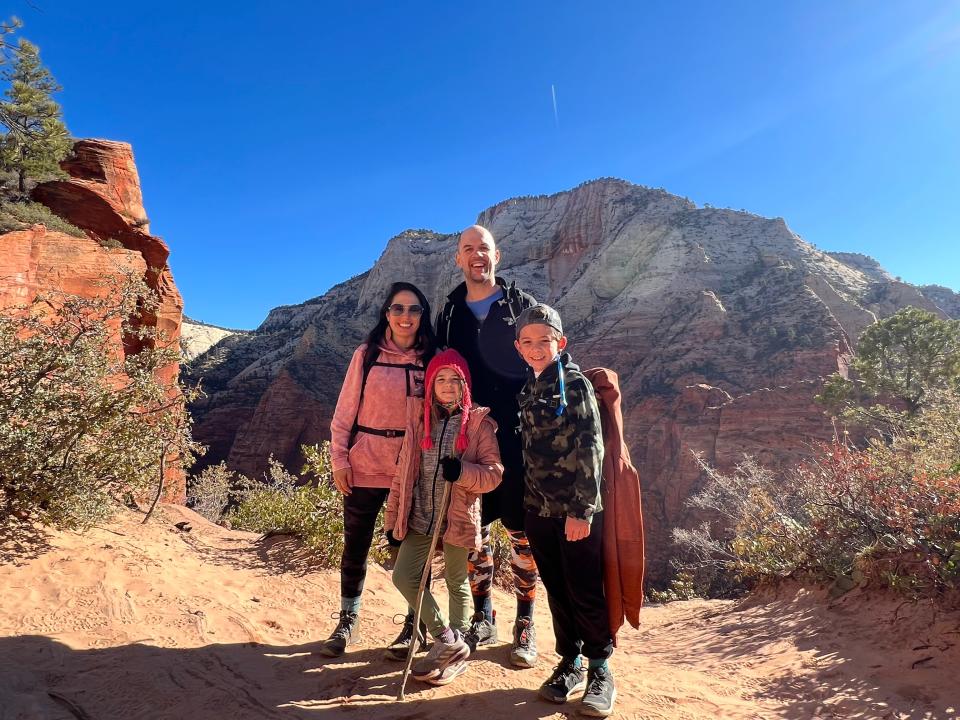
<point>393,397</point>
<point>481,472</point>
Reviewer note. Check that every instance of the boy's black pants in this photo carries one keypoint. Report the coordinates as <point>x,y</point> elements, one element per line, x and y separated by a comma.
<point>360,510</point>
<point>572,572</point>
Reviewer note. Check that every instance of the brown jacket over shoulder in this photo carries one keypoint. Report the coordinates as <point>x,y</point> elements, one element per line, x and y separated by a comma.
<point>623,560</point>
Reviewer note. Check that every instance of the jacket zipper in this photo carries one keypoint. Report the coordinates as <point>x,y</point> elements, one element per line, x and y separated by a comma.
<point>436,470</point>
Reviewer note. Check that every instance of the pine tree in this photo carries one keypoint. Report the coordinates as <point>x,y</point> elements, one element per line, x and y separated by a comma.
<point>36,139</point>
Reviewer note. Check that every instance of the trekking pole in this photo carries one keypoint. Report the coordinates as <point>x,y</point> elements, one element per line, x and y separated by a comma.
<point>423,584</point>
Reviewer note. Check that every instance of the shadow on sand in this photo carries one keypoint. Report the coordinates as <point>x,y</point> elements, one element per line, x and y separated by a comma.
<point>41,678</point>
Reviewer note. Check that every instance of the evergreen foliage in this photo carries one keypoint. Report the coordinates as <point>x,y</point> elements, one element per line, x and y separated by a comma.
<point>900,360</point>
<point>7,29</point>
<point>22,215</point>
<point>80,422</point>
<point>36,139</point>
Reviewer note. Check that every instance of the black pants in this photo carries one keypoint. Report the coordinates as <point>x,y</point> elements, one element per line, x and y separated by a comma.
<point>572,572</point>
<point>360,510</point>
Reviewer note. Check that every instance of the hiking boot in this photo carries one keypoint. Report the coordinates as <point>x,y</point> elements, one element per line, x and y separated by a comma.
<point>567,679</point>
<point>398,649</point>
<point>601,693</point>
<point>440,656</point>
<point>524,652</point>
<point>450,673</point>
<point>481,631</point>
<point>344,634</point>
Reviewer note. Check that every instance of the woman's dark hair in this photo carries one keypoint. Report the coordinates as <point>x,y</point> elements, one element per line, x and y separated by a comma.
<point>426,341</point>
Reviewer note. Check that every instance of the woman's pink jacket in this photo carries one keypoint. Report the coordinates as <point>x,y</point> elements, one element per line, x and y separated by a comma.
<point>481,472</point>
<point>390,402</point>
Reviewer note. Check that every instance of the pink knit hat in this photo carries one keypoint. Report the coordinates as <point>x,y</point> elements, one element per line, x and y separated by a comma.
<point>454,360</point>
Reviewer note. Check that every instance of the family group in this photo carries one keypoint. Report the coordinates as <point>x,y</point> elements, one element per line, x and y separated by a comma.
<point>483,416</point>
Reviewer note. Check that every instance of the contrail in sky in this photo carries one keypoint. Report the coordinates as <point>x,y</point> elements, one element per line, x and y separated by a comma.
<point>556,117</point>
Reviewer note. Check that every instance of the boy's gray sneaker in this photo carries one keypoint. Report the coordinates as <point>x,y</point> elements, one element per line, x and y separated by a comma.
<point>344,634</point>
<point>481,632</point>
<point>398,649</point>
<point>524,652</point>
<point>567,679</point>
<point>440,656</point>
<point>601,693</point>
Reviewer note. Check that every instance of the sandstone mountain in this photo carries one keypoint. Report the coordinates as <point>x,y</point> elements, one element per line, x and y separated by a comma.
<point>197,337</point>
<point>102,197</point>
<point>721,325</point>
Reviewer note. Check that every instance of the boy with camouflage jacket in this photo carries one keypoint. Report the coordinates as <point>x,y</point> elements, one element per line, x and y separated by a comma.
<point>563,457</point>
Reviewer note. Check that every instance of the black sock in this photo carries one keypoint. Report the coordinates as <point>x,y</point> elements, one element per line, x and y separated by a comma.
<point>484,604</point>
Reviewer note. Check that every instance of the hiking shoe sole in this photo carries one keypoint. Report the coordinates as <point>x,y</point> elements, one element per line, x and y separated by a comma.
<point>437,672</point>
<point>591,711</point>
<point>450,673</point>
<point>560,699</point>
<point>521,661</point>
<point>331,652</point>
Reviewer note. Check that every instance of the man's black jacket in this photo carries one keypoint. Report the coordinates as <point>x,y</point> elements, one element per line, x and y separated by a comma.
<point>498,373</point>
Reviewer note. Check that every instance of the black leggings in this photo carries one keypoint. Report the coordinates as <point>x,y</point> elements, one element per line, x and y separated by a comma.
<point>360,510</point>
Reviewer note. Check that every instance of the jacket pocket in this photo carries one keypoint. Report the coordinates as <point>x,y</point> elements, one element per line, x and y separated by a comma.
<point>375,455</point>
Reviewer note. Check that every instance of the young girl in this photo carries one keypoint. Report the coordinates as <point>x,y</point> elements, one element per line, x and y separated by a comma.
<point>455,443</point>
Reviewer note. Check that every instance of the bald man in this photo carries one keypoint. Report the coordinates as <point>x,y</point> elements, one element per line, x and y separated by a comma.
<point>478,322</point>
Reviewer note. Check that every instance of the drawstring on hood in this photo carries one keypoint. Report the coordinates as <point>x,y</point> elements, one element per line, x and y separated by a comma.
<point>453,360</point>
<point>563,388</point>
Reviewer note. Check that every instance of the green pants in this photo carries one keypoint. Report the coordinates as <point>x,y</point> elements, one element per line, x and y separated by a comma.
<point>407,573</point>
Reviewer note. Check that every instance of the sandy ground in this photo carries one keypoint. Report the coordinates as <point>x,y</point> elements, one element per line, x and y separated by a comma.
<point>130,621</point>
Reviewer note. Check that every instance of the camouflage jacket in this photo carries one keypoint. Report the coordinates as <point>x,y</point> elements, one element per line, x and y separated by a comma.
<point>562,453</point>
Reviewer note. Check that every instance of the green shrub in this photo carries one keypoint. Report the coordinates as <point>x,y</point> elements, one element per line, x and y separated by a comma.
<point>80,422</point>
<point>683,587</point>
<point>208,493</point>
<point>21,215</point>
<point>314,513</point>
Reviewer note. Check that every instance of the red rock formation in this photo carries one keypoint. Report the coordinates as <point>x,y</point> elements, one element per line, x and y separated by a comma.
<point>103,198</point>
<point>35,260</point>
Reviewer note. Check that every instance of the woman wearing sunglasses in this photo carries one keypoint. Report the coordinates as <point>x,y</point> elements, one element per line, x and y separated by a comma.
<point>381,396</point>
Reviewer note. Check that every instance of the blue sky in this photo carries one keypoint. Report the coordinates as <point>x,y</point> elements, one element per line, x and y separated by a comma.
<point>281,144</point>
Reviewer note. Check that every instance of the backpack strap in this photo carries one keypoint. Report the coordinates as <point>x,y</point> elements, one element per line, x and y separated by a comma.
<point>408,367</point>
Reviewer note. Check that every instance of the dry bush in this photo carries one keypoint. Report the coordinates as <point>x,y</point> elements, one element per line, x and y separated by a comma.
<point>888,513</point>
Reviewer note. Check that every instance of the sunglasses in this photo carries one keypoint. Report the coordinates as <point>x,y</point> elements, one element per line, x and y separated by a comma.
<point>397,309</point>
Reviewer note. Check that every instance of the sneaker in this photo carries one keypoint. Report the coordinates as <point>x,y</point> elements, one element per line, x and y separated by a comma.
<point>398,649</point>
<point>600,695</point>
<point>344,634</point>
<point>450,673</point>
<point>524,652</point>
<point>481,631</point>
<point>567,679</point>
<point>440,656</point>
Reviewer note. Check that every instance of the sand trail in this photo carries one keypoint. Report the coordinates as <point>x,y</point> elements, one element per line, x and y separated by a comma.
<point>130,621</point>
